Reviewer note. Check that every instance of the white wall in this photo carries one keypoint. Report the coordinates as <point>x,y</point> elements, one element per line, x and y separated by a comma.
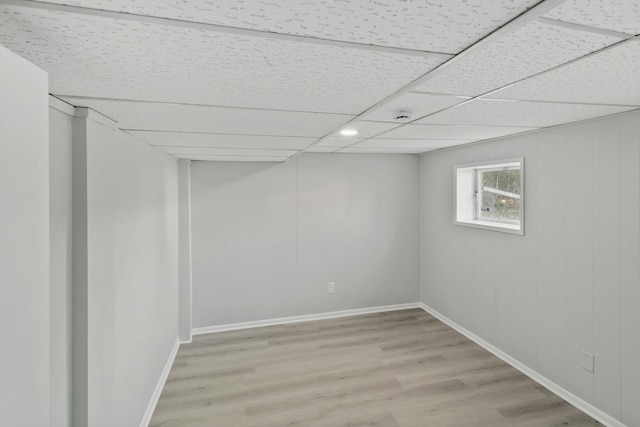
<point>132,273</point>
<point>267,238</point>
<point>572,282</point>
<point>24,245</point>
<point>60,223</point>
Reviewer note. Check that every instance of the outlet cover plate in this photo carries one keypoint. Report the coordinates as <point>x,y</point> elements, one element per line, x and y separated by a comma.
<point>587,361</point>
<point>332,287</point>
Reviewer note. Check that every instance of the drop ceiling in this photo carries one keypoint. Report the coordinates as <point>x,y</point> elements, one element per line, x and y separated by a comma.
<point>257,80</point>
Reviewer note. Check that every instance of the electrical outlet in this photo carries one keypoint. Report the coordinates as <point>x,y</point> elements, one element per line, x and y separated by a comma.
<point>587,361</point>
<point>332,287</point>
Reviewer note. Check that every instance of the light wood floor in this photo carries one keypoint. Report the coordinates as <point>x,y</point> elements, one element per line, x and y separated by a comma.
<point>402,368</point>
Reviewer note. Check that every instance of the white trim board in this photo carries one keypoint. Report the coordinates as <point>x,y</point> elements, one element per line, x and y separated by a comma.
<point>62,106</point>
<point>146,419</point>
<point>302,318</point>
<point>574,400</point>
<point>88,113</point>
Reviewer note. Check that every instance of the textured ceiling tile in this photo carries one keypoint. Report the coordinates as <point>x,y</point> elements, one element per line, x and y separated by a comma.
<point>436,25</point>
<point>519,113</point>
<point>232,158</point>
<point>338,141</point>
<point>527,51</point>
<point>317,149</point>
<point>205,151</point>
<point>108,58</point>
<point>616,15</point>
<point>419,104</point>
<point>373,150</point>
<point>609,77</point>
<point>410,143</point>
<point>189,118</point>
<point>471,133</point>
<point>197,140</point>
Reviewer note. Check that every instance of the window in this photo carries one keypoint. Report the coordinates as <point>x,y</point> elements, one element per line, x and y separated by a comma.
<point>490,195</point>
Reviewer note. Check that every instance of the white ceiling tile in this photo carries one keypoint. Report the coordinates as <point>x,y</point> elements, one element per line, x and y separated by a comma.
<point>608,77</point>
<point>317,149</point>
<point>526,51</point>
<point>122,59</point>
<point>182,139</point>
<point>232,158</point>
<point>616,15</point>
<point>206,151</point>
<point>470,133</point>
<point>374,150</point>
<point>434,25</point>
<point>519,113</point>
<point>190,118</point>
<point>419,104</point>
<point>410,143</point>
<point>338,141</point>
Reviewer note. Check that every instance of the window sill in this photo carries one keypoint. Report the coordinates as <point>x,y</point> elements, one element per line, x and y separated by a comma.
<point>492,226</point>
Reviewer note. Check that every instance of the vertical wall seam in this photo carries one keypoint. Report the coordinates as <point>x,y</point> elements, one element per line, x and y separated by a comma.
<point>566,148</point>
<point>420,214</point>
<point>620,349</point>
<point>593,342</point>
<point>638,142</point>
<point>535,148</point>
<point>297,269</point>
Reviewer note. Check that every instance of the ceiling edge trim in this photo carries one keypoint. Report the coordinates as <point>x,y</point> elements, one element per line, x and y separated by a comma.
<point>60,105</point>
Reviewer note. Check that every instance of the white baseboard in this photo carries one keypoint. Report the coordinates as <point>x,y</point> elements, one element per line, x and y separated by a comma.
<point>303,318</point>
<point>159,386</point>
<point>585,407</point>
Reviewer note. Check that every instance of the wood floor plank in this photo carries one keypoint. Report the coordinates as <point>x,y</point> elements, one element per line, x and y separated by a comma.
<point>393,369</point>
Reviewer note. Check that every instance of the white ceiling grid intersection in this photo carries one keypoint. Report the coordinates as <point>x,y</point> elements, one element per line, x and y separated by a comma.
<point>480,112</point>
<point>616,15</point>
<point>528,50</point>
<point>610,77</point>
<point>408,144</point>
<point>419,104</point>
<point>452,132</point>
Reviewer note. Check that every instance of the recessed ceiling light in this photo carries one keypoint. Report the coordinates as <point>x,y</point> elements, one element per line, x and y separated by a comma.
<point>348,132</point>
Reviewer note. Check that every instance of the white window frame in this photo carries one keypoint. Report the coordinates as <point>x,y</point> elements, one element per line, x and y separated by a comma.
<point>467,200</point>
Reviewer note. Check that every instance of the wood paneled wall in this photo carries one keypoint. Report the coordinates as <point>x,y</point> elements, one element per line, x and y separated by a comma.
<point>572,282</point>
